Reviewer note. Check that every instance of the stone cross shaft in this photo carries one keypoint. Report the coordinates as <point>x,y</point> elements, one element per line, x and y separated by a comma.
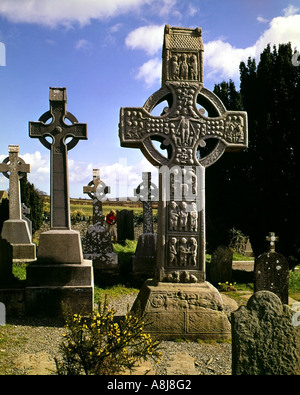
<point>194,130</point>
<point>97,190</point>
<point>58,130</point>
<point>16,167</point>
<point>147,192</point>
<point>272,239</point>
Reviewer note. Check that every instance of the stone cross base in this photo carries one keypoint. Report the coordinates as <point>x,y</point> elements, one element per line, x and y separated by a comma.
<point>190,311</point>
<point>60,246</point>
<point>51,286</point>
<point>59,276</point>
<point>16,232</point>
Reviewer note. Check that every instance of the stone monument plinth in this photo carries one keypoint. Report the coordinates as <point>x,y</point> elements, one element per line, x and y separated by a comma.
<point>188,310</point>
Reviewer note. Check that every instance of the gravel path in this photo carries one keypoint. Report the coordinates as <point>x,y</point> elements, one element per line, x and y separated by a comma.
<point>29,347</point>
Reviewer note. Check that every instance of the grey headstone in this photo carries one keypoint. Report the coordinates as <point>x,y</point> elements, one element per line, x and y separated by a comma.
<point>271,273</point>
<point>144,259</point>
<point>2,314</point>
<point>264,339</point>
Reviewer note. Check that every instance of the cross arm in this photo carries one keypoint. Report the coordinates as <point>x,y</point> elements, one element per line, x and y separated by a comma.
<point>136,124</point>
<point>231,128</point>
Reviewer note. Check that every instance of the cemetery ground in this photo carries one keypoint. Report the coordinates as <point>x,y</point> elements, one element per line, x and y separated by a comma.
<point>28,346</point>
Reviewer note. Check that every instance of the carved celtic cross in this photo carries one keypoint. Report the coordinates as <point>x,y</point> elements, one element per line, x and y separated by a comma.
<point>97,190</point>
<point>58,131</point>
<point>14,168</point>
<point>194,130</point>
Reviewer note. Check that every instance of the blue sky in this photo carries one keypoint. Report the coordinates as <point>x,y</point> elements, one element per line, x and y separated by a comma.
<point>107,53</point>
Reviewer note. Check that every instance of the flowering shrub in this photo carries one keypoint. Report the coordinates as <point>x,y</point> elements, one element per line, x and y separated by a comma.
<point>98,345</point>
<point>226,287</point>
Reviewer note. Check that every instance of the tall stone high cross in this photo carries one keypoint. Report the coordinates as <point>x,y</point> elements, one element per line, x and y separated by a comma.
<point>97,190</point>
<point>59,131</point>
<point>14,168</point>
<point>60,275</point>
<point>194,130</point>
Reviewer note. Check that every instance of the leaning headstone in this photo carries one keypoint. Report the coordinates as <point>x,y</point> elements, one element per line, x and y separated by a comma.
<point>98,246</point>
<point>264,339</point>
<point>271,272</point>
<point>219,269</point>
<point>26,210</point>
<point>144,259</point>
<point>15,230</point>
<point>125,228</point>
<point>179,302</point>
<point>60,275</point>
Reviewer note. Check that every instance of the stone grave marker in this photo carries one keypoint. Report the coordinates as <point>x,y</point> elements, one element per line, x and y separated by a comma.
<point>179,300</point>
<point>271,271</point>
<point>219,269</point>
<point>125,228</point>
<point>144,259</point>
<point>15,230</point>
<point>98,245</point>
<point>147,193</point>
<point>2,314</point>
<point>60,275</point>
<point>264,339</point>
<point>97,190</point>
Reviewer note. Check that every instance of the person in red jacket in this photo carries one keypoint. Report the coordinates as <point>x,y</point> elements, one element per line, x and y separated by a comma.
<point>111,220</point>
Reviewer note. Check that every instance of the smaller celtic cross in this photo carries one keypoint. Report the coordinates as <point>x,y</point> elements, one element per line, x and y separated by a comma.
<point>16,167</point>
<point>97,190</point>
<point>272,239</point>
<point>58,131</point>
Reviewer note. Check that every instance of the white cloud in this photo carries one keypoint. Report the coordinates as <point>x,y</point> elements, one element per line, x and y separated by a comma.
<point>290,10</point>
<point>147,38</point>
<point>121,177</point>
<point>83,44</point>
<point>69,12</point>
<point>150,72</point>
<point>221,59</point>
<point>261,19</point>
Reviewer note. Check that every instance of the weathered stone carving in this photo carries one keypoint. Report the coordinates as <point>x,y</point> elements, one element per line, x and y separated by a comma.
<point>190,141</point>
<point>185,133</point>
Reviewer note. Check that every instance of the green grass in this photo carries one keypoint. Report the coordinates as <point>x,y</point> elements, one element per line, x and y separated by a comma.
<point>19,270</point>
<point>294,283</point>
<point>114,292</point>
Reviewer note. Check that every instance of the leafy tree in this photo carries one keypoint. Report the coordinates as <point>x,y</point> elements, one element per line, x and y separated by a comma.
<point>260,187</point>
<point>4,211</point>
<point>31,198</point>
